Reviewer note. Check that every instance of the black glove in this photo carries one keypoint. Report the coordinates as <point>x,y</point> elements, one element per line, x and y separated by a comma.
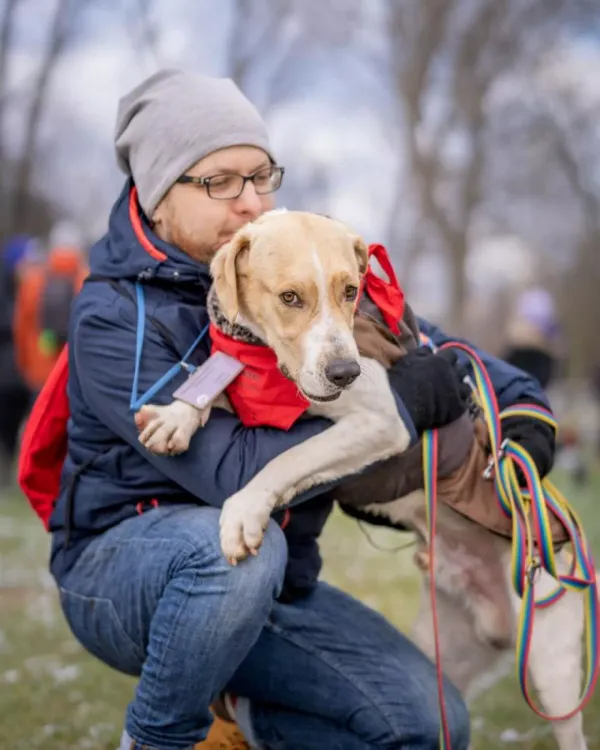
<point>431,387</point>
<point>536,437</point>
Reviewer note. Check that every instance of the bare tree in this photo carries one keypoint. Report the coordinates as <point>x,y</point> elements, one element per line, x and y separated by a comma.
<point>257,34</point>
<point>148,31</point>
<point>6,25</point>
<point>580,299</point>
<point>143,32</point>
<point>22,174</point>
<point>6,32</point>
<point>275,38</point>
<point>18,188</point>
<point>269,43</point>
<point>444,58</point>
<point>476,44</point>
<point>551,152</point>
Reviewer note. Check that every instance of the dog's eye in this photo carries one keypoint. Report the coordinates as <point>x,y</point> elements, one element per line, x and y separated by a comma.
<point>290,298</point>
<point>350,293</point>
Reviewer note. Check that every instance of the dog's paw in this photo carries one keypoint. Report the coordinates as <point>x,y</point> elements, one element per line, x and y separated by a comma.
<point>243,521</point>
<point>166,430</point>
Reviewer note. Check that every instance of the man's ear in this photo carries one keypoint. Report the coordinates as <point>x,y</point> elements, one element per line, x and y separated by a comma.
<point>158,220</point>
<point>224,271</point>
<point>362,254</point>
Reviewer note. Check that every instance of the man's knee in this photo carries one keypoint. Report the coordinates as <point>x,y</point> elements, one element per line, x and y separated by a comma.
<point>417,722</point>
<point>457,717</point>
<point>253,580</point>
<point>262,575</point>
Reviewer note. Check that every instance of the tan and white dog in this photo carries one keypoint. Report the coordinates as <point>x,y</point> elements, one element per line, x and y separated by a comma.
<point>292,279</point>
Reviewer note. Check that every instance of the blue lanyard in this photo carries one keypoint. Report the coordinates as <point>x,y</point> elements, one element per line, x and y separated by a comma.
<point>136,403</point>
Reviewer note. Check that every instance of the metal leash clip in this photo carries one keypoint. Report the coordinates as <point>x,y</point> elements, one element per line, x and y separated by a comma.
<point>473,406</point>
<point>534,570</point>
<point>489,470</point>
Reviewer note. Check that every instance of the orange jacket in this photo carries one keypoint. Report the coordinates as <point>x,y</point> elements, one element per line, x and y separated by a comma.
<point>33,362</point>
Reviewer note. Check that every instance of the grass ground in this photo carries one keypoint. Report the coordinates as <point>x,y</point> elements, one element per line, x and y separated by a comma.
<point>56,697</point>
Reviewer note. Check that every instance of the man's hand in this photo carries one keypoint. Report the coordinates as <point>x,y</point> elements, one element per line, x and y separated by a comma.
<point>536,437</point>
<point>431,387</point>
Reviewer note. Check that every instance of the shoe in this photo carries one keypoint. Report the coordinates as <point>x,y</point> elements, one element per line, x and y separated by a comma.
<point>224,735</point>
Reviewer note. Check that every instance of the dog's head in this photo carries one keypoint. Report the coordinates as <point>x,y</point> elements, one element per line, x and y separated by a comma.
<point>293,277</point>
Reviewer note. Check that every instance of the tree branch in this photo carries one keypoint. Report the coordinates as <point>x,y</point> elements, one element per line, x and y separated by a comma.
<point>242,55</point>
<point>6,30</point>
<point>24,169</point>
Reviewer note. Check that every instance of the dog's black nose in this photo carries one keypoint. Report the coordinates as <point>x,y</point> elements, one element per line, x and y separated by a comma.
<point>342,372</point>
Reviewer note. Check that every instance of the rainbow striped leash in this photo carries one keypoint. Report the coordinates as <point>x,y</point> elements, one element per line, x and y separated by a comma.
<point>532,545</point>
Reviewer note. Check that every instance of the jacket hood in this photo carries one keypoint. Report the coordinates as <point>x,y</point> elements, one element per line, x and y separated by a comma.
<point>124,253</point>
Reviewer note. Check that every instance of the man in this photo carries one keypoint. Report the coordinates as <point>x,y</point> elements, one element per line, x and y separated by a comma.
<point>143,583</point>
<point>534,336</point>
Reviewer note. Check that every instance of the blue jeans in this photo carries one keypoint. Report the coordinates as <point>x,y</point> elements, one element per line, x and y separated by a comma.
<point>154,597</point>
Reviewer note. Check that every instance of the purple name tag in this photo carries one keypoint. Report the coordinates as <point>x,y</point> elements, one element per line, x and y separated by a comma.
<point>209,380</point>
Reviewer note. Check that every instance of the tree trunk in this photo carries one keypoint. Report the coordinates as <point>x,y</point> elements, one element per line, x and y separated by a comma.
<point>6,27</point>
<point>21,189</point>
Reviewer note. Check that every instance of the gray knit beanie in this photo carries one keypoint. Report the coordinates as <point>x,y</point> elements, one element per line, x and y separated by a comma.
<point>172,120</point>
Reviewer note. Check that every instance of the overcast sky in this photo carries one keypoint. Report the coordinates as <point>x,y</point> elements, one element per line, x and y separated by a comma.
<point>339,118</point>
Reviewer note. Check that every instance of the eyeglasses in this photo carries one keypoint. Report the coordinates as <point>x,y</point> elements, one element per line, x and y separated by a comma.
<point>225,187</point>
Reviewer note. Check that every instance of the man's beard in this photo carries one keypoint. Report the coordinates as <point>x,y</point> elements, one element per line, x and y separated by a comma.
<point>187,243</point>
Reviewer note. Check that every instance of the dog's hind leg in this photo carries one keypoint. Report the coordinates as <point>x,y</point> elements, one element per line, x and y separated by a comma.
<point>555,661</point>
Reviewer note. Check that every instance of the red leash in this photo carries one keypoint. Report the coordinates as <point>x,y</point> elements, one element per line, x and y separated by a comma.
<point>430,464</point>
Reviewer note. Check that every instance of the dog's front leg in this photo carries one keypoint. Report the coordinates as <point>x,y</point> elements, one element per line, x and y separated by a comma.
<point>362,437</point>
<point>555,658</point>
<point>344,449</point>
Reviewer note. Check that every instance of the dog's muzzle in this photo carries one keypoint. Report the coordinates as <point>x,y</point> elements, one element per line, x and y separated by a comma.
<point>342,372</point>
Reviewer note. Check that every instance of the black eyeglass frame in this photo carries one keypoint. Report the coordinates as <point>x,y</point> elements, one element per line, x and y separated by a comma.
<point>204,182</point>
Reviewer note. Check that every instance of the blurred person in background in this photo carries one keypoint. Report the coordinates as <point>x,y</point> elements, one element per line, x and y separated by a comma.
<point>535,344</point>
<point>45,292</point>
<point>15,397</point>
<point>533,336</point>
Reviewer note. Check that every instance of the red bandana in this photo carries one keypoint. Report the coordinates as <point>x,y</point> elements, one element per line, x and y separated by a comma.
<point>261,395</point>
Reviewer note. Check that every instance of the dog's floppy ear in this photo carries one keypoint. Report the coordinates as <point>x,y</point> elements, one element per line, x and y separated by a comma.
<point>224,271</point>
<point>362,254</point>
